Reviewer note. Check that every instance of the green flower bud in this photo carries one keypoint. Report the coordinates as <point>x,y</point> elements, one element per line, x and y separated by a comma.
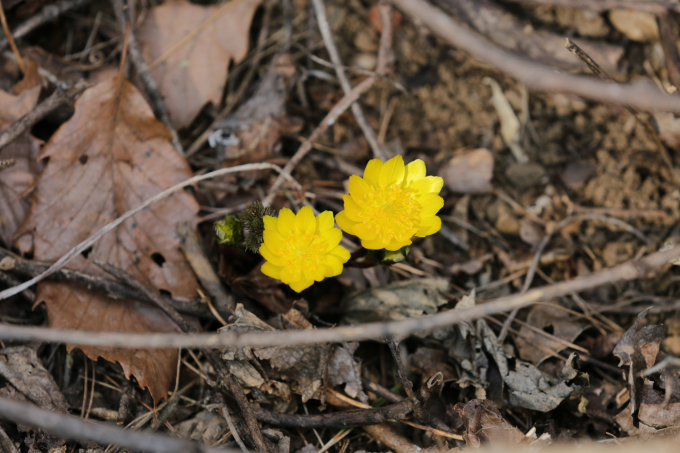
<point>229,230</point>
<point>394,257</point>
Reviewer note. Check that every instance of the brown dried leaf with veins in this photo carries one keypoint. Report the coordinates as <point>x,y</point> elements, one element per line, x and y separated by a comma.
<point>196,72</point>
<point>15,180</point>
<point>484,424</point>
<point>107,159</point>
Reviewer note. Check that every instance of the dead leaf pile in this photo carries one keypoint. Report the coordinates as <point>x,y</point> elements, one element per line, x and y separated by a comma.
<point>274,374</point>
<point>107,159</point>
<point>496,374</point>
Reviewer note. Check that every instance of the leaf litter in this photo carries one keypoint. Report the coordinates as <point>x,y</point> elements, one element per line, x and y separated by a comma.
<point>528,391</point>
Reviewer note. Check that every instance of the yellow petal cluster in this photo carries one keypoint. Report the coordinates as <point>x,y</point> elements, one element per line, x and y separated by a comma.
<point>301,249</point>
<point>391,204</point>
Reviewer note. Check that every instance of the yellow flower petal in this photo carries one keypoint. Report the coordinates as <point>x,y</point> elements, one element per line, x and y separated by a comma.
<point>316,274</point>
<point>414,171</point>
<point>333,237</point>
<point>344,222</point>
<point>274,241</point>
<point>429,184</point>
<point>358,189</point>
<point>392,171</point>
<point>324,221</point>
<point>333,266</point>
<point>305,222</point>
<point>271,223</point>
<point>365,231</point>
<point>429,226</point>
<point>270,257</point>
<point>270,270</point>
<point>341,253</point>
<point>395,245</point>
<point>431,204</point>
<point>290,274</point>
<point>286,222</point>
<point>352,209</point>
<point>377,243</point>
<point>372,172</point>
<point>301,285</point>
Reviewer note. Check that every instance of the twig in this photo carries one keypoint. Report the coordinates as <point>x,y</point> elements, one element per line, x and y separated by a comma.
<point>193,250</point>
<point>150,85</point>
<point>111,288</point>
<point>13,45</point>
<point>74,252</point>
<point>6,444</point>
<point>11,280</point>
<point>544,243</point>
<point>226,378</point>
<point>651,6</point>
<point>69,427</point>
<point>47,14</point>
<point>401,374</point>
<point>453,238</point>
<point>391,439</point>
<point>370,331</point>
<point>43,109</point>
<point>639,95</point>
<point>232,428</point>
<point>332,116</point>
<point>385,46</point>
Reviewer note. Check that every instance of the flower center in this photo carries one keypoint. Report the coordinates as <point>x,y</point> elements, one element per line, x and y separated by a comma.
<point>303,251</point>
<point>392,211</point>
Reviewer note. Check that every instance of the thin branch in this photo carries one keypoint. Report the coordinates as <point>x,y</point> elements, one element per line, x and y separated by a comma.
<point>57,99</point>
<point>74,252</point>
<point>370,331</point>
<point>544,243</point>
<point>10,38</point>
<point>70,427</point>
<point>329,42</point>
<point>639,95</point>
<point>332,116</point>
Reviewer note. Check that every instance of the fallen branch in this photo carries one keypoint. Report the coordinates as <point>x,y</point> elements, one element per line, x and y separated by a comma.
<point>69,427</point>
<point>638,95</point>
<point>651,6</point>
<point>370,331</point>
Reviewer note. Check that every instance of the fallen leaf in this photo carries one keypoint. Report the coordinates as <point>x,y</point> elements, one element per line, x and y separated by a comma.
<point>24,372</point>
<point>204,427</point>
<point>470,172</point>
<point>402,300</point>
<point>107,159</point>
<point>485,425</point>
<point>195,73</point>
<point>532,346</point>
<point>302,367</point>
<point>343,368</point>
<point>427,362</point>
<point>14,181</point>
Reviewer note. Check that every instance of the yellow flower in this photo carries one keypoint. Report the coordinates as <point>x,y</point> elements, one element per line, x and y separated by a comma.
<point>301,249</point>
<point>391,204</point>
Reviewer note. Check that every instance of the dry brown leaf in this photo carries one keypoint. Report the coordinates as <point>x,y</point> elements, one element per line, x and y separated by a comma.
<point>427,362</point>
<point>484,424</point>
<point>24,149</point>
<point>107,159</point>
<point>343,368</point>
<point>303,367</point>
<point>196,72</point>
<point>534,347</point>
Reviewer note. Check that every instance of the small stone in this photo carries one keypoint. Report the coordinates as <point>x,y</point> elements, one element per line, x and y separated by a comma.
<point>525,175</point>
<point>366,61</point>
<point>470,172</point>
<point>576,174</point>
<point>636,25</point>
